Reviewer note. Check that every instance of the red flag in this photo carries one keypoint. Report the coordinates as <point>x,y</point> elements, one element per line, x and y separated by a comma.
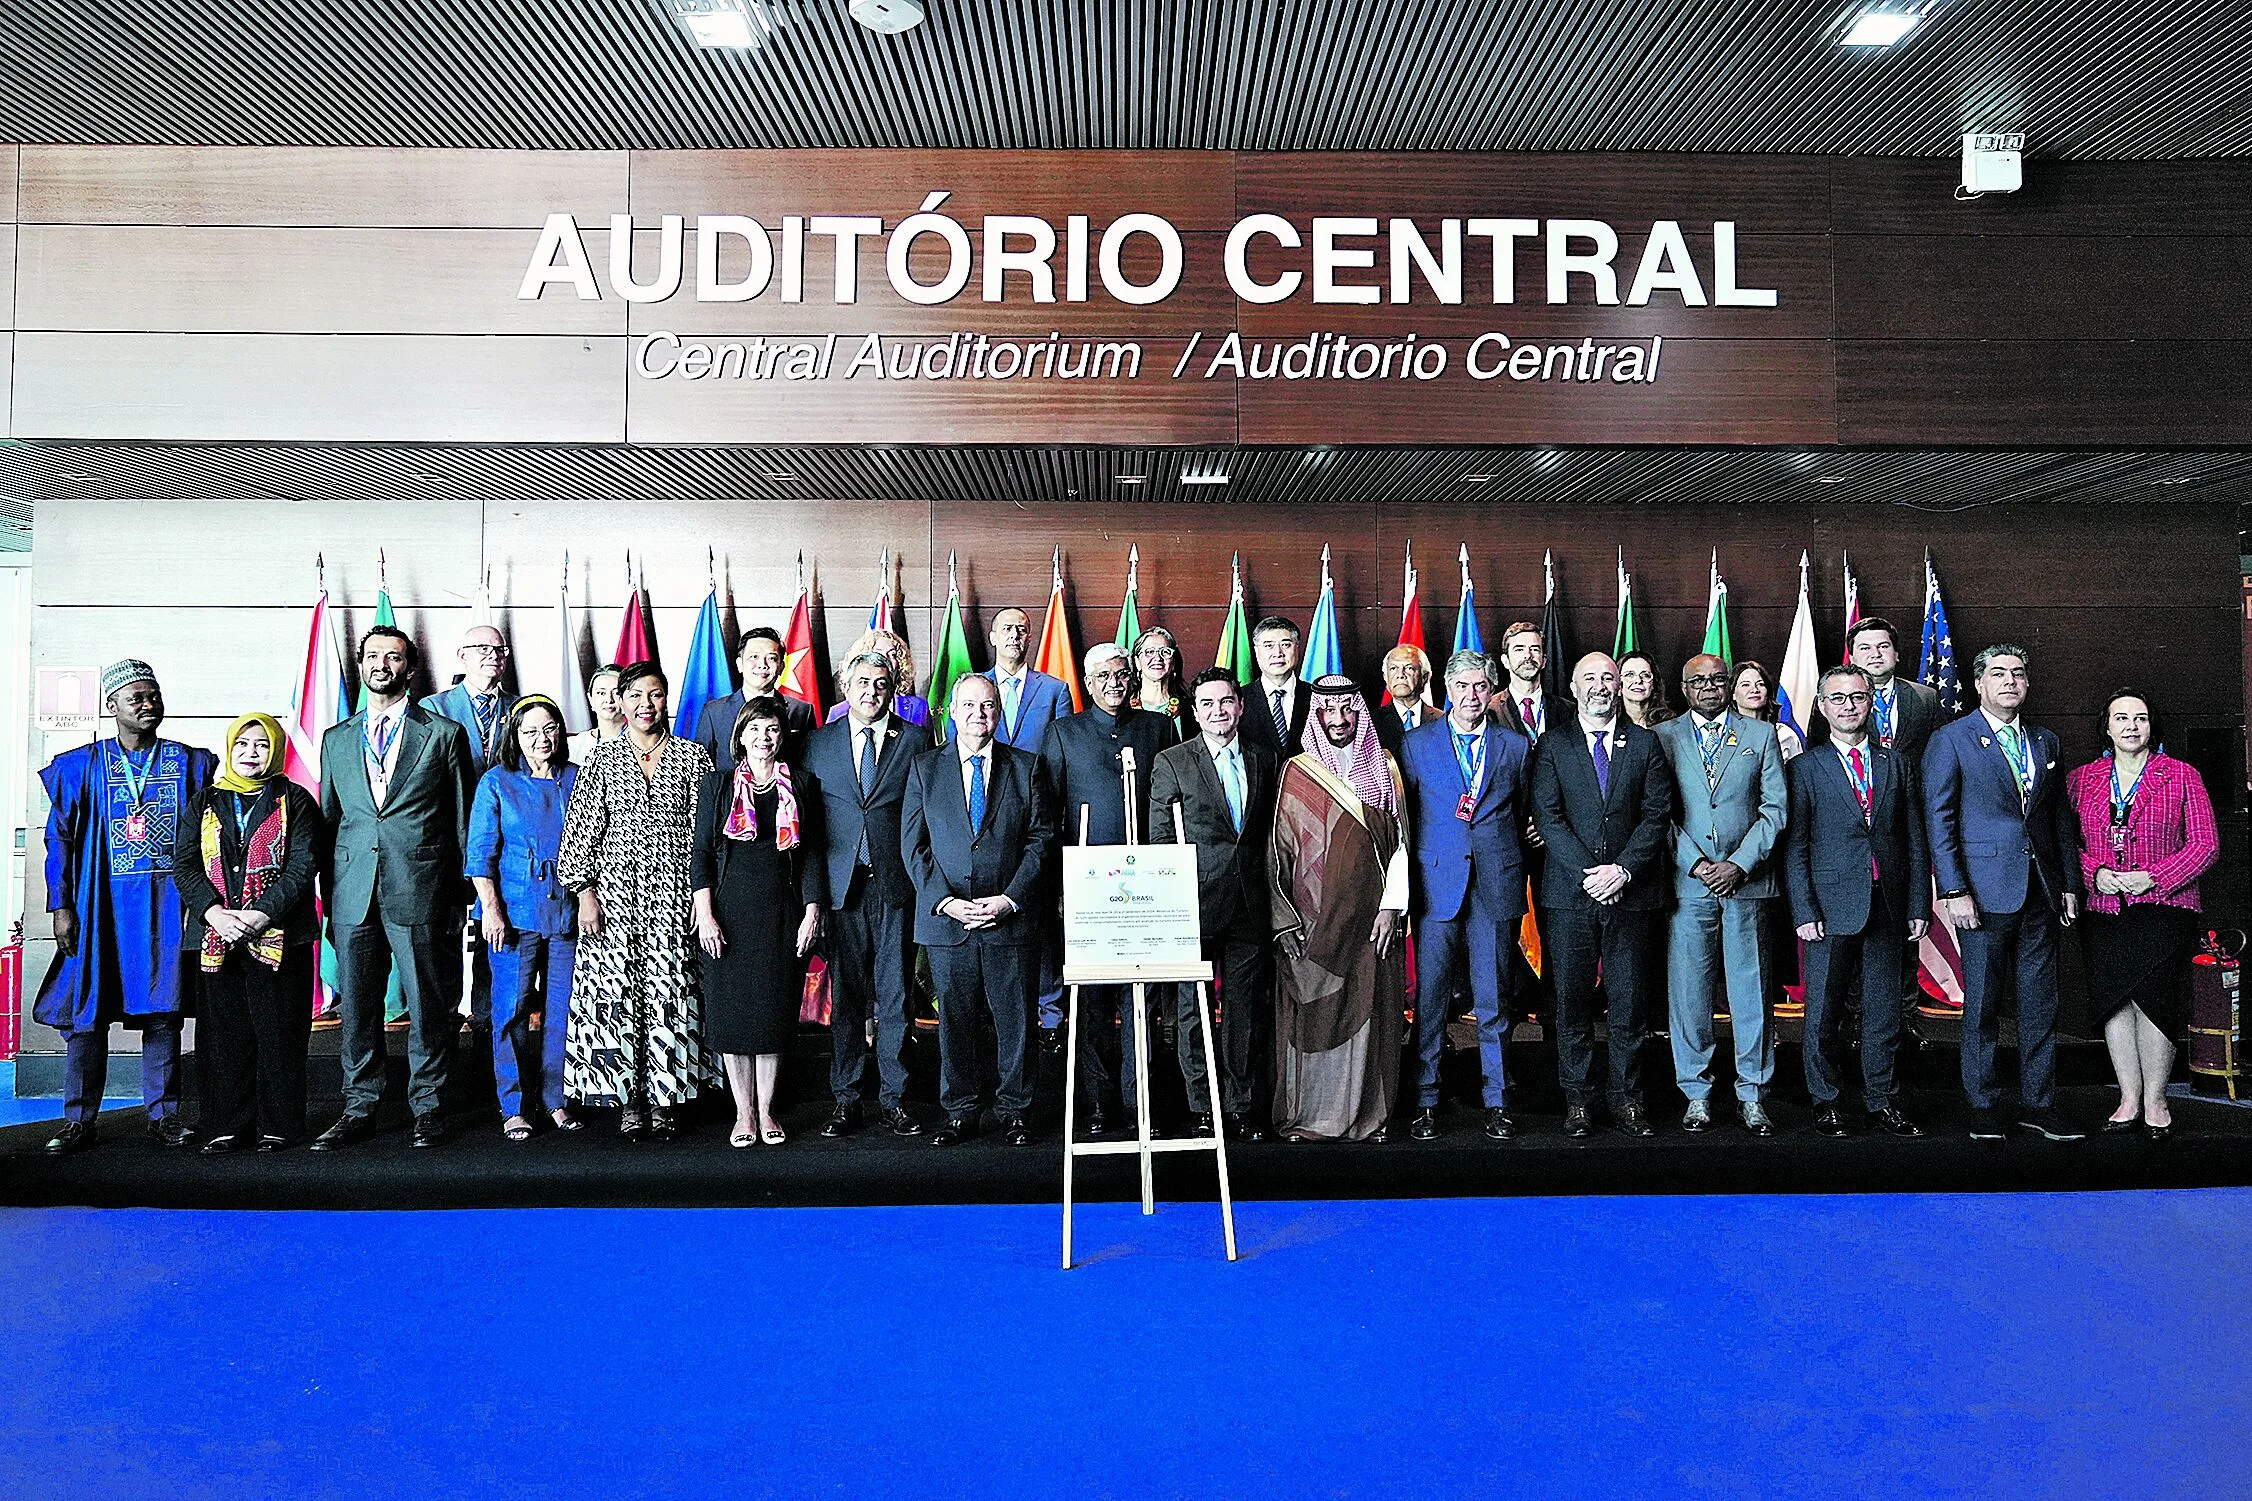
<point>798,678</point>
<point>637,640</point>
<point>1056,658</point>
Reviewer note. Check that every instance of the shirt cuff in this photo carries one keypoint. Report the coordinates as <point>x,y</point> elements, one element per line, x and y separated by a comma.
<point>1395,896</point>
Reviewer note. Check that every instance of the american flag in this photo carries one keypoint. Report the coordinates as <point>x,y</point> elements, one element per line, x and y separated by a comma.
<point>1937,668</point>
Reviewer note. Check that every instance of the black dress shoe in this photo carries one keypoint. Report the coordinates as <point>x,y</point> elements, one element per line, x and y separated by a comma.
<point>170,1131</point>
<point>344,1131</point>
<point>1986,1125</point>
<point>1424,1126</point>
<point>957,1129</point>
<point>2158,1133</point>
<point>69,1137</point>
<point>1018,1130</point>
<point>429,1130</point>
<point>1830,1121</point>
<point>1890,1121</point>
<point>1238,1128</point>
<point>2049,1122</point>
<point>1051,1041</point>
<point>1579,1121</point>
<point>1201,1125</point>
<point>665,1124</point>
<point>903,1123</point>
<point>276,1143</point>
<point>843,1121</point>
<point>1253,1131</point>
<point>2120,1128</point>
<point>1628,1120</point>
<point>1499,1126</point>
<point>219,1146</point>
<point>1098,1125</point>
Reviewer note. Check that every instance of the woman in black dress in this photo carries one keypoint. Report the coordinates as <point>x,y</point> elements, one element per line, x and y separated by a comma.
<point>760,886</point>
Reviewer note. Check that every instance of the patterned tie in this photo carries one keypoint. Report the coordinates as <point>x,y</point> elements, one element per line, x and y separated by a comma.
<point>2013,746</point>
<point>1886,708</point>
<point>1282,720</point>
<point>977,792</point>
<point>862,853</point>
<point>486,707</point>
<point>1600,747</point>
<point>1708,746</point>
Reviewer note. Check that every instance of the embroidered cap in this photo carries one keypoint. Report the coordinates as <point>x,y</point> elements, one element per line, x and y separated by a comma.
<point>123,673</point>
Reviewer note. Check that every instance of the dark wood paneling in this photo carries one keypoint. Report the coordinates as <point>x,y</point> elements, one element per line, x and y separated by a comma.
<point>2076,287</point>
<point>1914,196</point>
<point>2121,392</point>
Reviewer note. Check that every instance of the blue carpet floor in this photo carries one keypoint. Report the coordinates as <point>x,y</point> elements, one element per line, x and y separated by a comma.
<point>14,1112</point>
<point>1902,1347</point>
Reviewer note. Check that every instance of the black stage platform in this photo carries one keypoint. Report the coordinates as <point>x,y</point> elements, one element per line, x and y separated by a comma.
<point>477,1168</point>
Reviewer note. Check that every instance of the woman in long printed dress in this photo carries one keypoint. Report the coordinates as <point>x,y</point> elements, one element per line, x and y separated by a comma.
<point>637,1030</point>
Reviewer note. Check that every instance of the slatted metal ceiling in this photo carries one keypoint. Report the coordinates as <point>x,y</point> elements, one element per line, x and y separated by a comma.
<point>2083,78</point>
<point>1922,478</point>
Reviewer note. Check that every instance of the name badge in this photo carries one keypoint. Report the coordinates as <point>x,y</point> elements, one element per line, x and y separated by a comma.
<point>1467,809</point>
<point>137,828</point>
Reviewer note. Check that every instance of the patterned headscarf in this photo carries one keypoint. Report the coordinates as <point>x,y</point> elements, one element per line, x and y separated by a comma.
<point>1359,765</point>
<point>231,780</point>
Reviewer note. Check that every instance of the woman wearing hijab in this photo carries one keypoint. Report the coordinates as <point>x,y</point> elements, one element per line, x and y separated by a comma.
<point>529,920</point>
<point>2147,834</point>
<point>245,852</point>
<point>760,881</point>
<point>637,1032</point>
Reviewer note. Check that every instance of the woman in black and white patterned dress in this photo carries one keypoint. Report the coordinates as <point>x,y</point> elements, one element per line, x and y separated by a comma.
<point>636,1020</point>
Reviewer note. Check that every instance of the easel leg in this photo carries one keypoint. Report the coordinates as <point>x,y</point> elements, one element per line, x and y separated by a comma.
<point>1141,1096</point>
<point>1219,1119</point>
<point>1070,1110</point>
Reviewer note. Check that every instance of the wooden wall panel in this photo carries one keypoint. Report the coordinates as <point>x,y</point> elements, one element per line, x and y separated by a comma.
<point>340,388</point>
<point>351,187</point>
<point>2078,287</point>
<point>1195,190</point>
<point>170,279</point>
<point>2037,393</point>
<point>1916,196</point>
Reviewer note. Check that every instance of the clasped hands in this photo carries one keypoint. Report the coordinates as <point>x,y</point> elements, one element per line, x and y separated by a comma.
<point>2124,882</point>
<point>235,926</point>
<point>1721,877</point>
<point>975,912</point>
<point>1604,883</point>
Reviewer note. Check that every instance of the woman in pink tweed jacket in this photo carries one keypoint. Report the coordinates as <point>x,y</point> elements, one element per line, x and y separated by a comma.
<point>2146,835</point>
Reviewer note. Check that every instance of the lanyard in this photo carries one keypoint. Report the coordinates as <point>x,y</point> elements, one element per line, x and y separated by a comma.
<point>1709,744</point>
<point>2123,803</point>
<point>379,747</point>
<point>136,778</point>
<point>2020,755</point>
<point>245,804</point>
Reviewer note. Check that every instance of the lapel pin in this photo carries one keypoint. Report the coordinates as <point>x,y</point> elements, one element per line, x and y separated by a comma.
<point>1984,742</point>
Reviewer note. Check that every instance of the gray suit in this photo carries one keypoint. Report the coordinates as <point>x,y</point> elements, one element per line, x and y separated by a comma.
<point>1734,814</point>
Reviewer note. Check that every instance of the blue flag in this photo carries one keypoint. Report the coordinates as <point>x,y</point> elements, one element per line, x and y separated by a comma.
<point>706,676</point>
<point>1324,658</point>
<point>1466,637</point>
<point>1937,668</point>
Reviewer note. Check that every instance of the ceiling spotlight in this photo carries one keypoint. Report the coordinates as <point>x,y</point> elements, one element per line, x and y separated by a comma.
<point>886,17</point>
<point>1129,479</point>
<point>733,24</point>
<point>1476,479</point>
<point>778,473</point>
<point>1829,479</point>
<point>1204,479</point>
<point>1878,26</point>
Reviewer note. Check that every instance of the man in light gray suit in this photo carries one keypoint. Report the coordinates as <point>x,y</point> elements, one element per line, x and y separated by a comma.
<point>1730,803</point>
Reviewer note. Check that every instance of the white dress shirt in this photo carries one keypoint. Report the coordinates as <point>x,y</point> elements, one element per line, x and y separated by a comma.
<point>379,772</point>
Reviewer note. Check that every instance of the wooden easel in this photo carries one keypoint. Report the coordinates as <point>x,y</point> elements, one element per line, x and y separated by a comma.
<point>1141,977</point>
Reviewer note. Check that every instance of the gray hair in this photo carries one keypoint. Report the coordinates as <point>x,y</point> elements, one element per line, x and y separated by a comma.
<point>1980,662</point>
<point>872,659</point>
<point>1470,661</point>
<point>1842,670</point>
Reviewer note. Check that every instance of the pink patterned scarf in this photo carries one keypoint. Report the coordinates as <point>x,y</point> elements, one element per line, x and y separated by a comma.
<point>742,810</point>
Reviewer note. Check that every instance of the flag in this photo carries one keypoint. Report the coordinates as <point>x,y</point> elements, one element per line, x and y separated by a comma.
<point>1624,637</point>
<point>706,677</point>
<point>1554,678</point>
<point>799,680</point>
<point>1716,616</point>
<point>950,662</point>
<point>1129,617</point>
<point>319,700</point>
<point>879,614</point>
<point>1802,671</point>
<point>1466,637</point>
<point>1411,622</point>
<point>383,612</point>
<point>1235,634</point>
<point>636,641</point>
<point>1057,658</point>
<point>1323,658</point>
<point>1936,670</point>
<point>1852,595</point>
<point>570,681</point>
<point>1939,964</point>
<point>394,994</point>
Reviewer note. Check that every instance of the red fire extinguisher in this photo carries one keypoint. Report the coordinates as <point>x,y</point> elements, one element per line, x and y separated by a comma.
<point>11,993</point>
<point>2217,1062</point>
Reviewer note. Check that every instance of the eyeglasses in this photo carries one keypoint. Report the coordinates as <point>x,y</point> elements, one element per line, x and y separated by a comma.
<point>1111,675</point>
<point>1708,680</point>
<point>1847,700</point>
<point>484,649</point>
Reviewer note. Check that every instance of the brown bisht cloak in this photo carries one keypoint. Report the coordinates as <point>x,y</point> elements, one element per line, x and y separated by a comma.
<point>1338,1002</point>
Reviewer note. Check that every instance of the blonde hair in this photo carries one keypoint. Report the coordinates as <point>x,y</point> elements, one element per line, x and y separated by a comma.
<point>893,646</point>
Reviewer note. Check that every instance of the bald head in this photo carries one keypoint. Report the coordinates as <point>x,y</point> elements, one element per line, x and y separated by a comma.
<point>1595,687</point>
<point>1704,681</point>
<point>482,655</point>
<point>1010,635</point>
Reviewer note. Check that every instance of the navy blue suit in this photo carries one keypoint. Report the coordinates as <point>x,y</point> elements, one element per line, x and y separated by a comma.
<point>455,704</point>
<point>1469,889</point>
<point>1045,700</point>
<point>2018,856</point>
<point>870,947</point>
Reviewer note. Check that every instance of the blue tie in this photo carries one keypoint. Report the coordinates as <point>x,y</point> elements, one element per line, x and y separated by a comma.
<point>1231,781</point>
<point>1466,756</point>
<point>977,792</point>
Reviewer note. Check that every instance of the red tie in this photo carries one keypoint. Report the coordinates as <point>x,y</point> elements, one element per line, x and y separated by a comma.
<point>1862,793</point>
<point>1530,727</point>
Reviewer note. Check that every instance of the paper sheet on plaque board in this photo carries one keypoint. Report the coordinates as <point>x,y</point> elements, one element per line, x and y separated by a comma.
<point>1130,904</point>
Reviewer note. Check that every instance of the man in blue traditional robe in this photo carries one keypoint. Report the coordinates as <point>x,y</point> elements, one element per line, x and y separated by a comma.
<point>114,807</point>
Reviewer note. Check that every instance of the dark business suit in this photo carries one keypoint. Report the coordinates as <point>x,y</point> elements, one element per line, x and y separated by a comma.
<point>1469,891</point>
<point>2018,855</point>
<point>1533,991</point>
<point>395,896</point>
<point>1008,854</point>
<point>459,705</point>
<point>1081,756</point>
<point>1583,826</point>
<point>1863,878</point>
<point>715,728</point>
<point>1259,718</point>
<point>1558,711</point>
<point>1916,715</point>
<point>870,944</point>
<point>1232,913</point>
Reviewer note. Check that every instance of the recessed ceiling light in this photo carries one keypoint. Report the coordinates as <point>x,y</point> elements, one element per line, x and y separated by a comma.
<point>1880,28</point>
<point>1129,479</point>
<point>1829,479</point>
<point>733,24</point>
<point>779,473</point>
<point>1476,479</point>
<point>1204,479</point>
<point>2178,479</point>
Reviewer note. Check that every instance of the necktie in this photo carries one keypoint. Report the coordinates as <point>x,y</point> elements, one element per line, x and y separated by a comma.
<point>1231,782</point>
<point>867,761</point>
<point>1532,725</point>
<point>1009,692</point>
<point>1282,720</point>
<point>977,792</point>
<point>2013,746</point>
<point>484,704</point>
<point>1863,794</point>
<point>1407,718</point>
<point>1466,750</point>
<point>1885,710</point>
<point>1708,746</point>
<point>1600,747</point>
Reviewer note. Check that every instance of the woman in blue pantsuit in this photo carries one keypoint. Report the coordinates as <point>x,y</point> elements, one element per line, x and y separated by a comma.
<point>515,833</point>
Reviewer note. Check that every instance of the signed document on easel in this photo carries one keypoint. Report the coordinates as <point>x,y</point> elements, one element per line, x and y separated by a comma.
<point>1130,905</point>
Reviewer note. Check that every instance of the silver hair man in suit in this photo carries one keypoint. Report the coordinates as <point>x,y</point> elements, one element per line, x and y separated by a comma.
<point>1730,804</point>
